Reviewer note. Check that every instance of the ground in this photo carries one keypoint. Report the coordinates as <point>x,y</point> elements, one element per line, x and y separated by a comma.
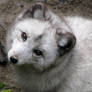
<point>9,9</point>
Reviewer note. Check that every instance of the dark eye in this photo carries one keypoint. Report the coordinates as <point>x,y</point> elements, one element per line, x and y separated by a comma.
<point>24,36</point>
<point>37,52</point>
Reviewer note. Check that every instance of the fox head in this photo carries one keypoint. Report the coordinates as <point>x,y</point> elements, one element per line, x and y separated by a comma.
<point>39,38</point>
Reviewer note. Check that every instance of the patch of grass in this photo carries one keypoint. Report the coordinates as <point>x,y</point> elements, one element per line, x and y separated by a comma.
<point>2,86</point>
<point>8,90</point>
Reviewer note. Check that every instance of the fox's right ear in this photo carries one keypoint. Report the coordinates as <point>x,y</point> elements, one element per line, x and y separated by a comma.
<point>37,11</point>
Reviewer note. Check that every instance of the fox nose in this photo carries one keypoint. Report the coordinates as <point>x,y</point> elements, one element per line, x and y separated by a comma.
<point>14,59</point>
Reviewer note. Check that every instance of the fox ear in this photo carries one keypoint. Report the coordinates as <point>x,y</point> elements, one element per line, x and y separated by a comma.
<point>36,11</point>
<point>65,42</point>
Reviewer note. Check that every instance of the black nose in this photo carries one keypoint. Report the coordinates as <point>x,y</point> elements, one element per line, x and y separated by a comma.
<point>13,60</point>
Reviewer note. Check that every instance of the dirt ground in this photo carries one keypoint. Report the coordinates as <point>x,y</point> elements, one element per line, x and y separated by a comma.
<point>9,10</point>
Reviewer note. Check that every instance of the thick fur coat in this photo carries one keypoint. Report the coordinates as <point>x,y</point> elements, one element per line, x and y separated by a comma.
<point>51,53</point>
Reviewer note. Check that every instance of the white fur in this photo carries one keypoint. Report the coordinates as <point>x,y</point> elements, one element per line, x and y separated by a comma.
<point>73,71</point>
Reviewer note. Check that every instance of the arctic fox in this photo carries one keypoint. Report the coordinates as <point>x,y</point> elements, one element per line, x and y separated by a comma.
<point>51,53</point>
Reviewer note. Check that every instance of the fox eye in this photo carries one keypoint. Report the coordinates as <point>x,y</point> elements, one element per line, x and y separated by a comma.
<point>37,52</point>
<point>24,36</point>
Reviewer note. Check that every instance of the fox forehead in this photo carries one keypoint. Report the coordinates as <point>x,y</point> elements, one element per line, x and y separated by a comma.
<point>32,26</point>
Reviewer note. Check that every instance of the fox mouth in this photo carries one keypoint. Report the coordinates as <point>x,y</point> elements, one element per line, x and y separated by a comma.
<point>34,67</point>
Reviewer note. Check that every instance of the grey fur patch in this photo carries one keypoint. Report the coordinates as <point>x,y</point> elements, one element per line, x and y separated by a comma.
<point>37,11</point>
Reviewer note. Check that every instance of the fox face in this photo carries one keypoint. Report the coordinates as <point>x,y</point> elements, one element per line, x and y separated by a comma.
<point>38,38</point>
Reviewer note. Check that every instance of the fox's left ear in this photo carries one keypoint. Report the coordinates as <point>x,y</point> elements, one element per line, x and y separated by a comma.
<point>65,42</point>
<point>37,11</point>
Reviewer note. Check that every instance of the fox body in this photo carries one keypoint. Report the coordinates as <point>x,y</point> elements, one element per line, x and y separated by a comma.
<point>51,53</point>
